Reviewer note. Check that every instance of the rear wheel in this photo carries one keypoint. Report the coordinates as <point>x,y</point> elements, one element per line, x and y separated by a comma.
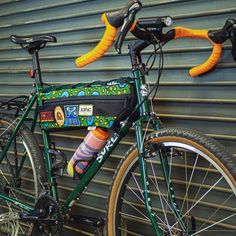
<point>20,175</point>
<point>203,178</point>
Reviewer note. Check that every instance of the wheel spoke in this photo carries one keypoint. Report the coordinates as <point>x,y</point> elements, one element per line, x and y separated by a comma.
<point>19,175</point>
<point>199,200</point>
<point>189,183</point>
<point>140,190</point>
<point>162,196</point>
<point>135,208</point>
<point>216,223</point>
<point>10,126</point>
<point>142,202</point>
<point>135,194</point>
<point>217,210</point>
<point>200,183</point>
<point>159,193</point>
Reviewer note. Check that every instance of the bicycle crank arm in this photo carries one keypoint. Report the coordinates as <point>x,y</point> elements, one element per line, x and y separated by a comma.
<point>36,218</point>
<point>91,221</point>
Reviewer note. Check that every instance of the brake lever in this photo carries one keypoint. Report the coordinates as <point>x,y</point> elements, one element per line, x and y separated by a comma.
<point>129,17</point>
<point>227,32</point>
<point>128,21</point>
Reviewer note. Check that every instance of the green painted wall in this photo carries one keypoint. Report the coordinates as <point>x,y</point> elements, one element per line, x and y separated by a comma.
<point>206,103</point>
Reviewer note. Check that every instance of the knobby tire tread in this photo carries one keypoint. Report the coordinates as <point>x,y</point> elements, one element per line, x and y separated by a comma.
<point>205,142</point>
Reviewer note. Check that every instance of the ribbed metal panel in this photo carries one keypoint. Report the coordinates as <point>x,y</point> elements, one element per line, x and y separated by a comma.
<point>206,103</point>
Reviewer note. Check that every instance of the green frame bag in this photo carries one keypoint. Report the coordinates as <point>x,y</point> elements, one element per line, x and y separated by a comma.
<point>100,104</point>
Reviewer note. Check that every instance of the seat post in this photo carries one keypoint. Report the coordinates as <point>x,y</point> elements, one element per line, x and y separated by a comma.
<point>36,68</point>
<point>33,45</point>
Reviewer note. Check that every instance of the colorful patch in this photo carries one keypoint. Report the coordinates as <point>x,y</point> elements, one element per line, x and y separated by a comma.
<point>79,115</point>
<point>112,88</point>
<point>71,115</point>
<point>100,121</point>
<point>85,110</point>
<point>46,116</point>
<point>59,116</point>
<point>90,120</point>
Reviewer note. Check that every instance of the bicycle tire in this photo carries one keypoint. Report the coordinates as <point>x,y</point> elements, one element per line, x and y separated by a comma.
<point>22,171</point>
<point>201,213</point>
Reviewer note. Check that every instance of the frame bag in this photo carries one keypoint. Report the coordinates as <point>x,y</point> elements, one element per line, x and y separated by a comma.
<point>101,104</point>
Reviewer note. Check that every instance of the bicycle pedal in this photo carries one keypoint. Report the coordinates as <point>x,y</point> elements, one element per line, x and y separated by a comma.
<point>91,221</point>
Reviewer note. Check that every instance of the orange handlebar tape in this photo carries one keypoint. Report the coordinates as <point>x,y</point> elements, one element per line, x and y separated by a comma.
<point>181,32</point>
<point>105,43</point>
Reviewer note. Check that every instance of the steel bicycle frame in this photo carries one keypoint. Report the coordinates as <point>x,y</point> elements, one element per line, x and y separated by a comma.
<point>144,107</point>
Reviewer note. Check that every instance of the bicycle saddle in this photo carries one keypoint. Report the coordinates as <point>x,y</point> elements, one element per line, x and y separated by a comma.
<point>33,44</point>
<point>34,39</point>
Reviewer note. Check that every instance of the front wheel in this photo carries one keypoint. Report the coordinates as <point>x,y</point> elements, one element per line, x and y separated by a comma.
<point>192,183</point>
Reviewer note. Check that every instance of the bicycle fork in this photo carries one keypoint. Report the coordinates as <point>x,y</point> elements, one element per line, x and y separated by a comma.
<point>144,178</point>
<point>145,184</point>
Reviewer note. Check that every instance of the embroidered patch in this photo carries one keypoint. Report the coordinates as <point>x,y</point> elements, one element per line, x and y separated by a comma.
<point>71,115</point>
<point>85,110</point>
<point>59,116</point>
<point>46,116</point>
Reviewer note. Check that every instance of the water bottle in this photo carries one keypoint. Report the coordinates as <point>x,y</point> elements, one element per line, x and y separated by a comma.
<point>93,143</point>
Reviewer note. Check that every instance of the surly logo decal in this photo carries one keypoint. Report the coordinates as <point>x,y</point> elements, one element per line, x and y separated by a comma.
<point>59,116</point>
<point>107,148</point>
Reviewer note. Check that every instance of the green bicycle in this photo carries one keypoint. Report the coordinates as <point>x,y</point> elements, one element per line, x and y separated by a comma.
<point>173,181</point>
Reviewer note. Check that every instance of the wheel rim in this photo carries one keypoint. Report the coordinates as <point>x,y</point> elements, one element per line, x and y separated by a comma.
<point>197,197</point>
<point>12,183</point>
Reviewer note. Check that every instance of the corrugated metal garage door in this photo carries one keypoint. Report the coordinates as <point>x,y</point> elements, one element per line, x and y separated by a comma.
<point>206,103</point>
